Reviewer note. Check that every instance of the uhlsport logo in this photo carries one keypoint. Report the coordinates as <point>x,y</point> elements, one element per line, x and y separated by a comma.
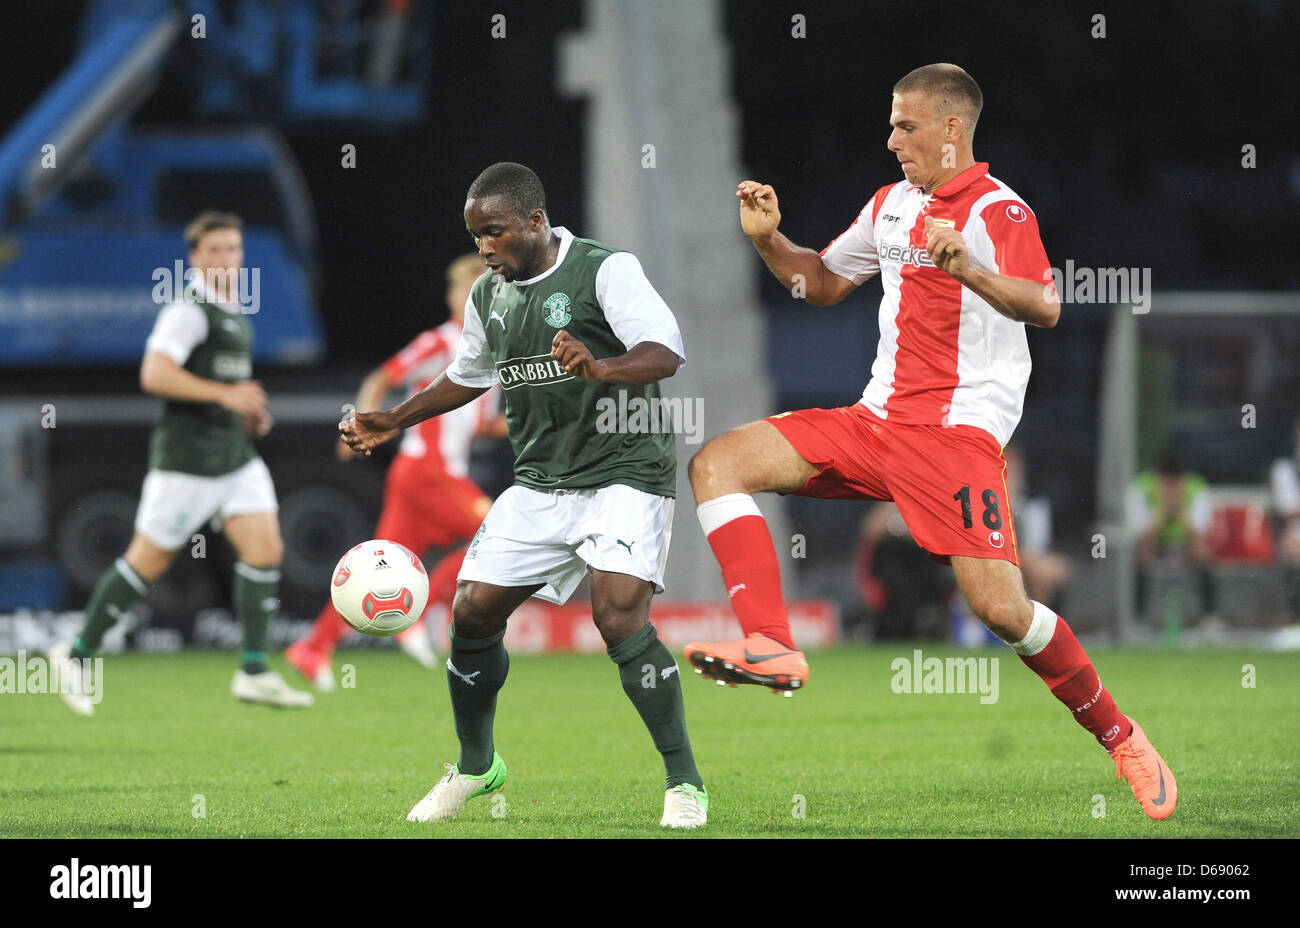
<point>557,310</point>
<point>953,675</point>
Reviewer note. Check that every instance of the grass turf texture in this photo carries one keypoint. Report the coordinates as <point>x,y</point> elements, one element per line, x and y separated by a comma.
<point>865,761</point>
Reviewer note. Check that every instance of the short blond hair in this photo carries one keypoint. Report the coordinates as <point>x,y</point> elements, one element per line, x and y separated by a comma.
<point>467,268</point>
<point>950,89</point>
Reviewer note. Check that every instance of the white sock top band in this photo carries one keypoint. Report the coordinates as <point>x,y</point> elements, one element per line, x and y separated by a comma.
<point>1041,630</point>
<point>716,513</point>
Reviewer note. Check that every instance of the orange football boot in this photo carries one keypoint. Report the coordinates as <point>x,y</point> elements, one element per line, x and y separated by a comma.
<point>307,660</point>
<point>1137,761</point>
<point>756,659</point>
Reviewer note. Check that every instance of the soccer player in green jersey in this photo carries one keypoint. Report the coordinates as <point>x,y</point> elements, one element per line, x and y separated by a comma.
<point>569,327</point>
<point>202,465</point>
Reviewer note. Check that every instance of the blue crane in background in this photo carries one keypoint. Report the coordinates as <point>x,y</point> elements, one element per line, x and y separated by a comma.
<point>91,207</point>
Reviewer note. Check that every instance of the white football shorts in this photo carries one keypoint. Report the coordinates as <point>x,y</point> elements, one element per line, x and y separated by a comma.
<point>173,506</point>
<point>553,537</point>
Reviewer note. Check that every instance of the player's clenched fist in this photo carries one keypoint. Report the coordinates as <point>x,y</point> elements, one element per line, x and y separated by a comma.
<point>365,431</point>
<point>574,356</point>
<point>258,424</point>
<point>759,215</point>
<point>946,248</point>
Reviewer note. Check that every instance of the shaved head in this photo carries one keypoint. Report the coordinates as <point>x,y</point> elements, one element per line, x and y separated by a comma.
<point>951,91</point>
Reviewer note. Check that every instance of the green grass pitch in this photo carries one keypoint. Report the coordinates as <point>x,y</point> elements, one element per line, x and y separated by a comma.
<point>847,757</point>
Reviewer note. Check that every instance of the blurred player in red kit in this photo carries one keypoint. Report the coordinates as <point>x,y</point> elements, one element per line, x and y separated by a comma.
<point>429,499</point>
<point>963,270</point>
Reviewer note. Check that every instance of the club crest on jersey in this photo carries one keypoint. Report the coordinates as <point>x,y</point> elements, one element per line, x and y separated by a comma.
<point>557,310</point>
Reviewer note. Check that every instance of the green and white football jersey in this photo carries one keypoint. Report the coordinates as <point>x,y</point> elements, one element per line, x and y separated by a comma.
<point>563,429</point>
<point>204,439</point>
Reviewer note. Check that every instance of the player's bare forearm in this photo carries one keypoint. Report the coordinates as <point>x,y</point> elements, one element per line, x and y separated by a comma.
<point>443,395</point>
<point>162,376</point>
<point>365,431</point>
<point>794,264</point>
<point>1022,300</point>
<point>647,363</point>
<point>373,390</point>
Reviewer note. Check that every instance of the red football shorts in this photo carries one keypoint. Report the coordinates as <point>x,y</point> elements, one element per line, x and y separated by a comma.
<point>425,508</point>
<point>949,481</point>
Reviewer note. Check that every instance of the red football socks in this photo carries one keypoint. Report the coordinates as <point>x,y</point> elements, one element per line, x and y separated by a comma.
<point>743,546</point>
<point>1070,675</point>
<point>327,631</point>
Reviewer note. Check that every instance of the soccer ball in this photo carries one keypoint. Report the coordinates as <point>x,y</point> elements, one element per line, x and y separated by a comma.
<point>380,588</point>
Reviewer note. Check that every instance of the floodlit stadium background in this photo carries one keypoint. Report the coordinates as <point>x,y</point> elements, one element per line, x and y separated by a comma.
<point>1147,144</point>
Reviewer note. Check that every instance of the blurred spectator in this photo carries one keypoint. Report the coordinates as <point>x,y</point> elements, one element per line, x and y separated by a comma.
<point>1046,572</point>
<point>903,587</point>
<point>1169,509</point>
<point>1284,481</point>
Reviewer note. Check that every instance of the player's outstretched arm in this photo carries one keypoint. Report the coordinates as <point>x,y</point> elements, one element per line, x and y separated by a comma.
<point>365,431</point>
<point>645,363</point>
<point>792,264</point>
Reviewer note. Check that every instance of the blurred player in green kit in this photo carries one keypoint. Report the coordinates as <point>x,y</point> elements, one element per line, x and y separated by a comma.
<point>202,466</point>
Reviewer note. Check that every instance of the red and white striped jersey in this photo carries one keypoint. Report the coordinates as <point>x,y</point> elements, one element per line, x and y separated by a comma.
<point>443,442</point>
<point>946,357</point>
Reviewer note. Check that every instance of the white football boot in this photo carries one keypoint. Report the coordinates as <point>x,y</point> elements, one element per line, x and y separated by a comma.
<point>63,666</point>
<point>324,679</point>
<point>450,794</point>
<point>685,806</point>
<point>416,644</point>
<point>269,688</point>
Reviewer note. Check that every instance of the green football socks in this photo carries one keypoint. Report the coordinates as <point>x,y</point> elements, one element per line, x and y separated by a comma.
<point>652,681</point>
<point>256,598</point>
<point>476,671</point>
<point>117,590</point>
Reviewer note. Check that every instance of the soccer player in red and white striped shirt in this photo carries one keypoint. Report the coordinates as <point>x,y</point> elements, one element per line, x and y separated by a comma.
<point>963,271</point>
<point>429,499</point>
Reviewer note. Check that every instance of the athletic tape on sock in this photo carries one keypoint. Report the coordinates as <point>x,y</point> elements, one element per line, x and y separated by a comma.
<point>1041,630</point>
<point>716,513</point>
